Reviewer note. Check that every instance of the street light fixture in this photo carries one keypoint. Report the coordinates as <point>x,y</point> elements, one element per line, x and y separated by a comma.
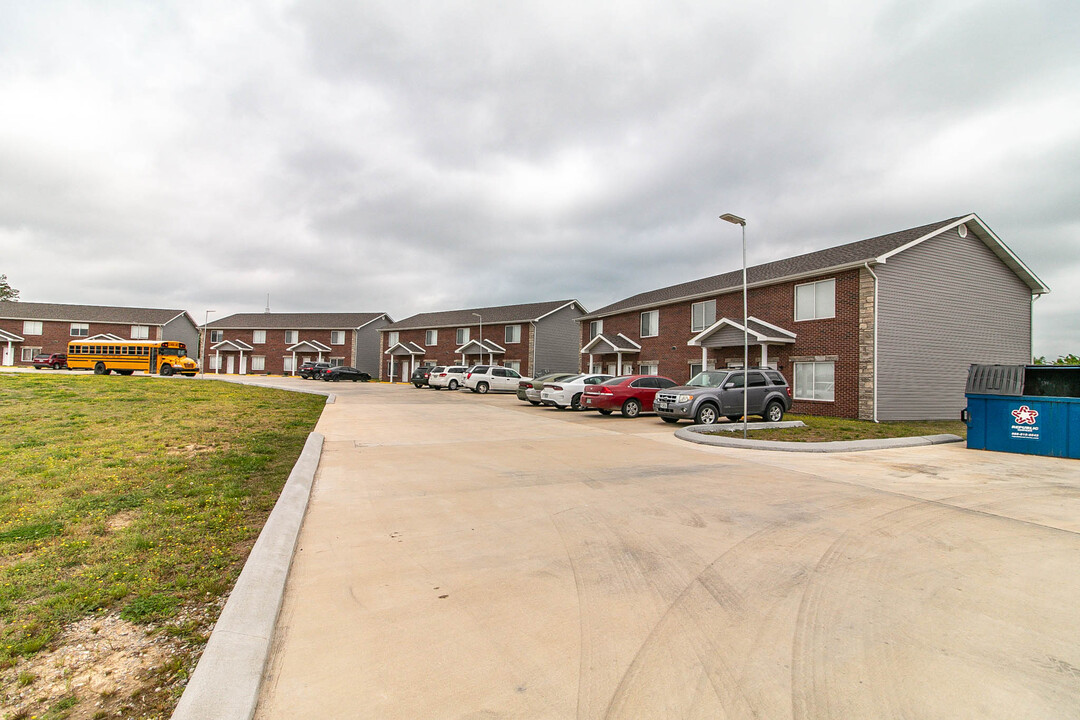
<point>202,345</point>
<point>481,337</point>
<point>735,219</point>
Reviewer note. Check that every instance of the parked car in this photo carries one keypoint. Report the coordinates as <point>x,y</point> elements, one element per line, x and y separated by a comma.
<point>420,376</point>
<point>344,372</point>
<point>713,394</point>
<point>451,377</point>
<point>50,360</point>
<point>484,378</point>
<point>566,393</point>
<point>312,370</point>
<point>529,389</point>
<point>630,394</point>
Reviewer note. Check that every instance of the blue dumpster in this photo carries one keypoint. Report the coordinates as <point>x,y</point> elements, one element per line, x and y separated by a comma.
<point>1030,409</point>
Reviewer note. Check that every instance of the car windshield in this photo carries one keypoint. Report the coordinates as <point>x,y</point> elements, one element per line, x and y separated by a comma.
<point>709,378</point>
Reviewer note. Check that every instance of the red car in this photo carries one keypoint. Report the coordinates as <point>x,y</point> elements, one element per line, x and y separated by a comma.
<point>631,394</point>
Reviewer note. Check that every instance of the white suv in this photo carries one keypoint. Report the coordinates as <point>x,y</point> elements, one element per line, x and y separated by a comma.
<point>450,376</point>
<point>482,378</point>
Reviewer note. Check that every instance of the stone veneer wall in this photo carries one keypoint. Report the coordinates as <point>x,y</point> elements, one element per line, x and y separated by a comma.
<point>866,344</point>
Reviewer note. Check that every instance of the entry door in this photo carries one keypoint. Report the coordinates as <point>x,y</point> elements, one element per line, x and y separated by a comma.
<point>230,364</point>
<point>611,369</point>
<point>243,364</point>
<point>9,355</point>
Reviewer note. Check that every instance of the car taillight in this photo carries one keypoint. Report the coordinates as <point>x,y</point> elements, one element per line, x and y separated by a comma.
<point>604,390</point>
<point>556,387</point>
<point>789,391</point>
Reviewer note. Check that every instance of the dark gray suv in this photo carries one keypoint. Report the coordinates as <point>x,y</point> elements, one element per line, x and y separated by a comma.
<point>713,394</point>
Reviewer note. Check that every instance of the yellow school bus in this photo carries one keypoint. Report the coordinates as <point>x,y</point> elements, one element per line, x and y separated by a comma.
<point>126,356</point>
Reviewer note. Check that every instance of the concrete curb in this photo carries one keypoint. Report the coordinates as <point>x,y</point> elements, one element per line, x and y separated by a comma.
<point>225,684</point>
<point>694,434</point>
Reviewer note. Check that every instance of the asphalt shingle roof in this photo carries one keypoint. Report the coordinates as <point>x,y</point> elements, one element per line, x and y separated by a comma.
<point>19,310</point>
<point>849,254</point>
<point>494,315</point>
<point>293,321</point>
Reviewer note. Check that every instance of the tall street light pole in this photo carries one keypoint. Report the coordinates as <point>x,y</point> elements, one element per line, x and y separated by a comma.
<point>481,337</point>
<point>202,345</point>
<point>745,315</point>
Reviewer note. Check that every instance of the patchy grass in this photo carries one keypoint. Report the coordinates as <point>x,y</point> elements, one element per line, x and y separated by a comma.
<point>133,497</point>
<point>826,429</point>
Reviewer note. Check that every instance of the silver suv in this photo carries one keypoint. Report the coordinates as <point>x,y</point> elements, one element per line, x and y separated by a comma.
<point>713,394</point>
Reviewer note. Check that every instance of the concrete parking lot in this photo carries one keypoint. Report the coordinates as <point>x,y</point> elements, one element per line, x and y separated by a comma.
<point>469,556</point>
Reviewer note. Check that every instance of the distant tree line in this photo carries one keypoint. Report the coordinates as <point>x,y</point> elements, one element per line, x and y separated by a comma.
<point>1069,359</point>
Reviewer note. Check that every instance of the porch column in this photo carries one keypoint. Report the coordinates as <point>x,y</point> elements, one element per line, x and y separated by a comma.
<point>391,367</point>
<point>618,363</point>
<point>217,362</point>
<point>764,355</point>
<point>241,369</point>
<point>590,363</point>
<point>293,371</point>
<point>704,358</point>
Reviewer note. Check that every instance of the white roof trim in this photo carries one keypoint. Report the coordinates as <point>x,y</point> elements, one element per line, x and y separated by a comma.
<point>235,345</point>
<point>631,348</point>
<point>384,315</point>
<point>413,350</point>
<point>103,336</point>
<point>487,346</point>
<point>777,328</point>
<point>313,344</point>
<point>759,337</point>
<point>10,337</point>
<point>561,307</point>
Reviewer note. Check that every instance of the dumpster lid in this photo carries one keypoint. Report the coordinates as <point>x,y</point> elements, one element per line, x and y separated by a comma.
<point>996,380</point>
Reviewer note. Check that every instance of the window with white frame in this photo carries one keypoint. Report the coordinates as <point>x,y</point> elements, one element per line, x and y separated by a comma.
<point>217,336</point>
<point>649,369</point>
<point>337,337</point>
<point>512,334</point>
<point>286,363</point>
<point>292,337</point>
<point>258,362</point>
<point>258,337</point>
<point>816,300</point>
<point>814,381</point>
<point>337,361</point>
<point>215,362</point>
<point>80,329</point>
<point>696,368</point>
<point>31,327</point>
<point>702,315</point>
<point>514,365</point>
<point>431,337</point>
<point>595,328</point>
<point>392,339</point>
<point>28,353</point>
<point>650,323</point>
<point>140,332</point>
<point>462,336</point>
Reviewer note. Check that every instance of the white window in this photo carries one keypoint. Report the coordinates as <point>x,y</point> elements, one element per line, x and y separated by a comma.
<point>258,362</point>
<point>814,381</point>
<point>513,334</point>
<point>258,337</point>
<point>337,361</point>
<point>695,368</point>
<point>292,337</point>
<point>514,365</point>
<point>337,337</point>
<point>650,323</point>
<point>217,336</point>
<point>28,353</point>
<point>215,362</point>
<point>702,315</point>
<point>80,329</point>
<point>140,332</point>
<point>286,364</point>
<point>431,337</point>
<point>595,328</point>
<point>391,339</point>
<point>462,336</point>
<point>31,327</point>
<point>815,300</point>
<point>649,369</point>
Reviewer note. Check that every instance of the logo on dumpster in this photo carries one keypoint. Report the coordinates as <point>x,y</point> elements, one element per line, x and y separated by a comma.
<point>1025,415</point>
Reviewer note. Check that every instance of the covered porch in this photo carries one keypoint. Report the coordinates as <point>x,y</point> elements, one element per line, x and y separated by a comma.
<point>404,358</point>
<point>606,354</point>
<point>7,342</point>
<point>478,349</point>
<point>728,333</point>
<point>235,359</point>
<point>309,351</point>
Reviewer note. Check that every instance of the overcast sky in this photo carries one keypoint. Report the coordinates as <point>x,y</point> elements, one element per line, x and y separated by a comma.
<point>415,156</point>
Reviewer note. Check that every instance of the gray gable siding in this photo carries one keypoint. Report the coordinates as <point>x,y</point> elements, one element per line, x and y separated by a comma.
<point>944,304</point>
<point>557,338</point>
<point>728,337</point>
<point>366,353</point>
<point>181,328</point>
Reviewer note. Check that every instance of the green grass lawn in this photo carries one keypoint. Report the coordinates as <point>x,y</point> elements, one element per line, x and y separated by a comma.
<point>129,495</point>
<point>825,429</point>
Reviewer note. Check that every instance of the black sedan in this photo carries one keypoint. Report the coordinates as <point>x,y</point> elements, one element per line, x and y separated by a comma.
<point>336,374</point>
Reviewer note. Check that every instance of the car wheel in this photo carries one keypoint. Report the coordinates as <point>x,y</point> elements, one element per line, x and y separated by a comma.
<point>774,411</point>
<point>605,412</point>
<point>453,385</point>
<point>559,407</point>
<point>337,379</point>
<point>734,418</point>
<point>56,366</point>
<point>417,385</point>
<point>575,403</point>
<point>669,420</point>
<point>100,369</point>
<point>534,402</point>
<point>166,370</point>
<point>706,415</point>
<point>481,388</point>
<point>631,408</point>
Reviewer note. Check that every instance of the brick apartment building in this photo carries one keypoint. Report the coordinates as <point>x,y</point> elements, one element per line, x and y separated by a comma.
<point>881,329</point>
<point>29,328</point>
<point>527,338</point>
<point>278,343</point>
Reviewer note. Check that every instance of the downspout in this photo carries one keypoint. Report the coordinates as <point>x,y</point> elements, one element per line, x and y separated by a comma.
<point>1031,327</point>
<point>867,266</point>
